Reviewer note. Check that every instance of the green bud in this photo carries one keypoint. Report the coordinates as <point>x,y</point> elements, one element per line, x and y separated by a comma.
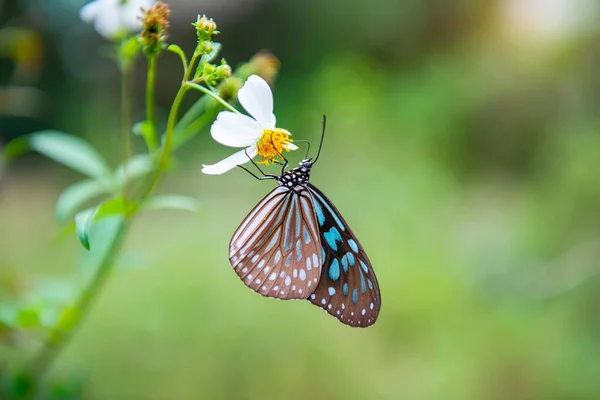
<point>205,26</point>
<point>205,47</point>
<point>223,71</point>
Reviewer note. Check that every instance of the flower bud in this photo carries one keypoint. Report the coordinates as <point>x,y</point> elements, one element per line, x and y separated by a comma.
<point>205,26</point>
<point>263,64</point>
<point>229,88</point>
<point>205,47</point>
<point>223,71</point>
<point>155,28</point>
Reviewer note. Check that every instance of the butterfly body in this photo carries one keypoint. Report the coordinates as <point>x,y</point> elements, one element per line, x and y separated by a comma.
<point>296,245</point>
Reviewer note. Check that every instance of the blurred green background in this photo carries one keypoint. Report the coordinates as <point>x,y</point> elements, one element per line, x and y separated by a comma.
<point>463,147</point>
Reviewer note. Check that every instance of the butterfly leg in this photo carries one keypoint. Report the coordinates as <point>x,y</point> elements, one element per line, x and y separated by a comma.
<point>260,178</point>
<point>264,176</point>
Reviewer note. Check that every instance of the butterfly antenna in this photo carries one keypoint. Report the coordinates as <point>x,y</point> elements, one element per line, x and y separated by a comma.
<point>322,137</point>
<point>307,150</point>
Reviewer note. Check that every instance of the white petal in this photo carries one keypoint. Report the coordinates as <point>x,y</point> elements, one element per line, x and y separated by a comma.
<point>291,146</point>
<point>257,99</point>
<point>239,158</point>
<point>235,130</point>
<point>89,11</point>
<point>132,13</point>
<point>107,23</point>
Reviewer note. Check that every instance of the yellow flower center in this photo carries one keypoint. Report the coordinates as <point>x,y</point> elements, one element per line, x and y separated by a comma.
<point>272,143</point>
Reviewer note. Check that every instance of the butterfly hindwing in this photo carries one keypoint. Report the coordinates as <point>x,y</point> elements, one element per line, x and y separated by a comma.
<point>348,288</point>
<point>276,250</point>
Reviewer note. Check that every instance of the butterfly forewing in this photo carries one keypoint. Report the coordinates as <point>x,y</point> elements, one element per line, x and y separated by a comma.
<point>348,288</point>
<point>276,251</point>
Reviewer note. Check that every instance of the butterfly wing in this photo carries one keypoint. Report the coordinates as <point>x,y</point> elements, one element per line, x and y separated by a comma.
<point>348,288</point>
<point>276,250</point>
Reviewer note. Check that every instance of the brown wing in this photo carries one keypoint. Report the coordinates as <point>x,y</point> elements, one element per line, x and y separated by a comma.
<point>276,250</point>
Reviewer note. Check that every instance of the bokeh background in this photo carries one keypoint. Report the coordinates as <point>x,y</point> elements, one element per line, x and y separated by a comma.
<point>463,147</point>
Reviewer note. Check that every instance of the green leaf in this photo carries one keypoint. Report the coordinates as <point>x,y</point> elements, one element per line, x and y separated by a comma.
<point>66,149</point>
<point>84,219</point>
<point>176,202</point>
<point>177,50</point>
<point>75,196</point>
<point>83,223</point>
<point>145,130</point>
<point>136,167</point>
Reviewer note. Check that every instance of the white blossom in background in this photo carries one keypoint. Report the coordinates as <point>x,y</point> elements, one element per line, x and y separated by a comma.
<point>113,18</point>
<point>548,21</point>
<point>258,135</point>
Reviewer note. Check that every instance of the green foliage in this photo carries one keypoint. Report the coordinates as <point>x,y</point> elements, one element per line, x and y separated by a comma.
<point>75,196</point>
<point>174,202</point>
<point>68,150</point>
<point>84,220</point>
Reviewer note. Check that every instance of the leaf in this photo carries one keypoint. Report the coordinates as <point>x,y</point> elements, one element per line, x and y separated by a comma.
<point>136,167</point>
<point>176,202</point>
<point>145,130</point>
<point>84,219</point>
<point>177,50</point>
<point>75,196</point>
<point>66,149</point>
<point>83,223</point>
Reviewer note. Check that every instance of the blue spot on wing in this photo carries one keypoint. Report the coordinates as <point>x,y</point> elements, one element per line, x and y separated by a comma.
<point>364,266</point>
<point>334,270</point>
<point>363,285</point>
<point>350,258</point>
<point>319,198</point>
<point>331,237</point>
<point>345,263</point>
<point>353,245</point>
<point>319,211</point>
<point>355,296</point>
<point>345,289</point>
<point>322,255</point>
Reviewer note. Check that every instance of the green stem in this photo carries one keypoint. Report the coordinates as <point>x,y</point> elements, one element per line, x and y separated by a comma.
<point>213,95</point>
<point>60,338</point>
<point>183,135</point>
<point>150,137</point>
<point>163,160</point>
<point>126,75</point>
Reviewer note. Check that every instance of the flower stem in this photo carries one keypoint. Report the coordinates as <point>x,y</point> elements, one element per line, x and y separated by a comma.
<point>213,95</point>
<point>150,111</point>
<point>52,348</point>
<point>165,154</point>
<point>126,74</point>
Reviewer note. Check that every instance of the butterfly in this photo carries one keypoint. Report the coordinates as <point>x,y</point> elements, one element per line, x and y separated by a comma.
<point>295,244</point>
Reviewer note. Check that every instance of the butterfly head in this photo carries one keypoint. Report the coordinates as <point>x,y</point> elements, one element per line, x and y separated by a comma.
<point>307,164</point>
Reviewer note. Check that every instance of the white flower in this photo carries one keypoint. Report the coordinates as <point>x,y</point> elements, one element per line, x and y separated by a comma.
<point>258,135</point>
<point>112,18</point>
